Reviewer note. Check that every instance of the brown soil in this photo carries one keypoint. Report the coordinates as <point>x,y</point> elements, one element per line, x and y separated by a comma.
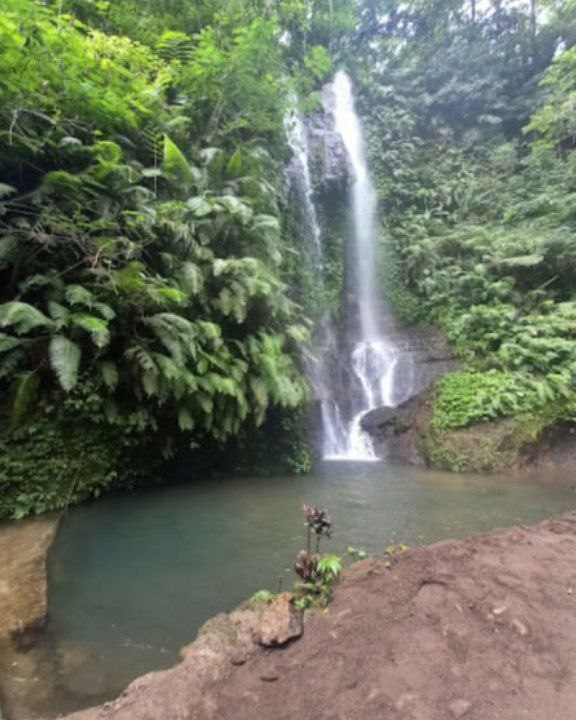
<point>483,629</point>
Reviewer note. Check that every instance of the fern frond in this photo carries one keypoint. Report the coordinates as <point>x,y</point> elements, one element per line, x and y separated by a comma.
<point>22,317</point>
<point>65,358</point>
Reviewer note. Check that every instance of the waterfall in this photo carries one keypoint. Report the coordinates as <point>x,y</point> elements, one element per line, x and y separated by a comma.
<point>379,373</point>
<point>376,361</point>
<point>299,174</point>
<point>316,366</point>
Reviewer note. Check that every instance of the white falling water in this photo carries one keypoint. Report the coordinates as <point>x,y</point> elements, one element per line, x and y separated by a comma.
<point>334,428</point>
<point>375,357</point>
<point>379,369</point>
<point>296,134</point>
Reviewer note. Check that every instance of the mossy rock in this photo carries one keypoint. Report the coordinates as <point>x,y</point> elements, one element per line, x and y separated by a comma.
<point>488,447</point>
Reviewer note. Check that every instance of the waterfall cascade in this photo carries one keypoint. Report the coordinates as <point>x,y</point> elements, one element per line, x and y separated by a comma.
<point>379,372</point>
<point>376,360</point>
<point>299,179</point>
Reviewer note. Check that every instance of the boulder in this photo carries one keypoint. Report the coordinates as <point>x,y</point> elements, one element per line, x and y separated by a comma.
<point>279,623</point>
<point>391,421</point>
<point>24,547</point>
<point>378,418</point>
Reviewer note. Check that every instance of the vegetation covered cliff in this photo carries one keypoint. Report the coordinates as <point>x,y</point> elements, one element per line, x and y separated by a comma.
<point>153,296</point>
<point>472,136</point>
<point>143,249</point>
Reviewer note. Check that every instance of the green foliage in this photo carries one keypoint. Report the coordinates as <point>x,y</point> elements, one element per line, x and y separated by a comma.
<point>474,167</point>
<point>70,453</point>
<point>65,360</point>
<point>143,249</point>
<point>316,590</point>
<point>554,122</point>
<point>489,447</point>
<point>262,597</point>
<point>317,572</point>
<point>465,398</point>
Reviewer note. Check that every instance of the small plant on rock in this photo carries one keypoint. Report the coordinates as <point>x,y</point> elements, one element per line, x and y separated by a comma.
<point>317,573</point>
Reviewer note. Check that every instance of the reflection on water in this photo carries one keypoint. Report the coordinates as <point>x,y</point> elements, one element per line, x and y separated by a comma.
<point>133,577</point>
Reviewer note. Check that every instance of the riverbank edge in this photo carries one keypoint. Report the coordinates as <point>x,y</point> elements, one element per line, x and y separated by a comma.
<point>24,548</point>
<point>486,578</point>
<point>522,444</point>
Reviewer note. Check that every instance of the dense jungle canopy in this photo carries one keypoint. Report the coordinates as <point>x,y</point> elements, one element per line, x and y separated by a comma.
<point>152,291</point>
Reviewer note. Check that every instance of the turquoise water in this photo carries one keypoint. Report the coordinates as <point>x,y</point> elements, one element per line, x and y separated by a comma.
<point>133,577</point>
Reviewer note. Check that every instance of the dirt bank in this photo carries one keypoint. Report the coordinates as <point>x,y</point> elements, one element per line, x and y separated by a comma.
<point>483,629</point>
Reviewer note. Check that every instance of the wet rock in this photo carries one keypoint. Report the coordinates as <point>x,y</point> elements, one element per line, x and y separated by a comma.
<point>279,623</point>
<point>26,680</point>
<point>23,549</point>
<point>379,418</point>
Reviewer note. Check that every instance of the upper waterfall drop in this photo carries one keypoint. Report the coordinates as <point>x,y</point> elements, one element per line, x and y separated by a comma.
<point>375,357</point>
<point>364,202</point>
<point>354,371</point>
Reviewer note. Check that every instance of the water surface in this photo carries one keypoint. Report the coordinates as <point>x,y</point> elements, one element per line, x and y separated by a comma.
<point>133,577</point>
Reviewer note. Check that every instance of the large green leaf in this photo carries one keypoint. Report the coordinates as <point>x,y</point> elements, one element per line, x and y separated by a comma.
<point>22,317</point>
<point>175,166</point>
<point>97,327</point>
<point>8,343</point>
<point>65,358</point>
<point>201,206</point>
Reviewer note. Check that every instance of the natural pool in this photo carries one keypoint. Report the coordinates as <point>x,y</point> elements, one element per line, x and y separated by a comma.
<point>132,577</point>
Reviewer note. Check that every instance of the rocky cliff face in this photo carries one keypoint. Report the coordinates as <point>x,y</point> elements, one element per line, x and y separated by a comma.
<point>398,433</point>
<point>330,169</point>
<point>513,444</point>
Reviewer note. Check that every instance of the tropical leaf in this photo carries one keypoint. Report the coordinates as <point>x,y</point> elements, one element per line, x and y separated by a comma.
<point>109,372</point>
<point>185,419</point>
<point>234,167</point>
<point>78,295</point>
<point>97,327</point>
<point>65,358</point>
<point>201,206</point>
<point>59,313</point>
<point>8,343</point>
<point>175,166</point>
<point>6,190</point>
<point>237,207</point>
<point>191,277</point>
<point>22,317</point>
<point>8,248</point>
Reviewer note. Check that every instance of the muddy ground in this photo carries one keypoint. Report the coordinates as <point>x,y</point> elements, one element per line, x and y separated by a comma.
<point>483,629</point>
